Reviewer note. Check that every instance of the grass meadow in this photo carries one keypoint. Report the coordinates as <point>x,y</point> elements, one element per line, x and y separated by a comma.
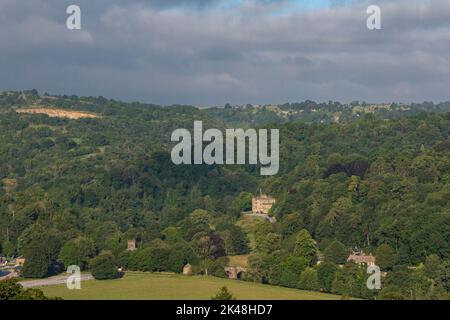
<point>150,286</point>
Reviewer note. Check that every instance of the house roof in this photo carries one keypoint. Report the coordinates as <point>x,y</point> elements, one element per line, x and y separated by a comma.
<point>361,258</point>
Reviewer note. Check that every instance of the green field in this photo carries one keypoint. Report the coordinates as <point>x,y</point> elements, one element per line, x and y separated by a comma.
<point>147,286</point>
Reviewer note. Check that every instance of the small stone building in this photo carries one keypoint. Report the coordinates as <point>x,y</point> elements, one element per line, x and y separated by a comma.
<point>20,261</point>
<point>361,258</point>
<point>131,245</point>
<point>262,204</point>
<point>187,270</point>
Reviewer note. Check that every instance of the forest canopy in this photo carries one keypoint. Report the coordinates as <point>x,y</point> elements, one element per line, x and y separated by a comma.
<point>72,190</point>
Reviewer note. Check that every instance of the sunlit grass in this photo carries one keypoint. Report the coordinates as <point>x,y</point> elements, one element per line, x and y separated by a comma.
<point>148,286</point>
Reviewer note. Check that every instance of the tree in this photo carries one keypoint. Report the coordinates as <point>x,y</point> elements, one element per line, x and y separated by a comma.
<point>41,257</point>
<point>200,217</point>
<point>305,246</point>
<point>172,234</point>
<point>391,294</point>
<point>159,252</point>
<point>424,168</point>
<point>288,271</point>
<point>198,222</point>
<point>255,270</point>
<point>36,265</point>
<point>77,252</point>
<point>68,254</point>
<point>180,254</point>
<point>236,240</point>
<point>223,295</point>
<point>239,240</point>
<point>324,243</point>
<point>268,243</point>
<point>210,245</point>
<point>141,260</point>
<point>216,268</point>
<point>8,249</point>
<point>445,278</point>
<point>336,253</point>
<point>309,280</point>
<point>433,268</point>
<point>346,280</point>
<point>31,294</point>
<point>104,266</point>
<point>291,224</point>
<point>325,273</point>
<point>9,289</point>
<point>242,203</point>
<point>386,257</point>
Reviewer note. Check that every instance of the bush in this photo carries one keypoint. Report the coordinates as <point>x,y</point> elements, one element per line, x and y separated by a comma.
<point>391,294</point>
<point>216,268</point>
<point>223,295</point>
<point>104,267</point>
<point>9,289</point>
<point>31,294</point>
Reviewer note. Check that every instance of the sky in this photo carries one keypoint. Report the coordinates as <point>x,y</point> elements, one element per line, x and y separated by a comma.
<point>212,52</point>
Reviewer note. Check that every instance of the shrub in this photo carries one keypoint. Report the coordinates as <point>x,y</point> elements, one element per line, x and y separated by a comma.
<point>9,289</point>
<point>104,267</point>
<point>31,294</point>
<point>223,295</point>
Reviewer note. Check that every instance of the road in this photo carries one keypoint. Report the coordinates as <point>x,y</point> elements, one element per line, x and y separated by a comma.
<point>61,279</point>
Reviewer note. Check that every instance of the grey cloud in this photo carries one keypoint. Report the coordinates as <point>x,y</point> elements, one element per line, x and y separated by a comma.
<point>162,52</point>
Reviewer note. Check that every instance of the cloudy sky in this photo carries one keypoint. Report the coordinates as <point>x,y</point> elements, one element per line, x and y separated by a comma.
<point>210,52</point>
